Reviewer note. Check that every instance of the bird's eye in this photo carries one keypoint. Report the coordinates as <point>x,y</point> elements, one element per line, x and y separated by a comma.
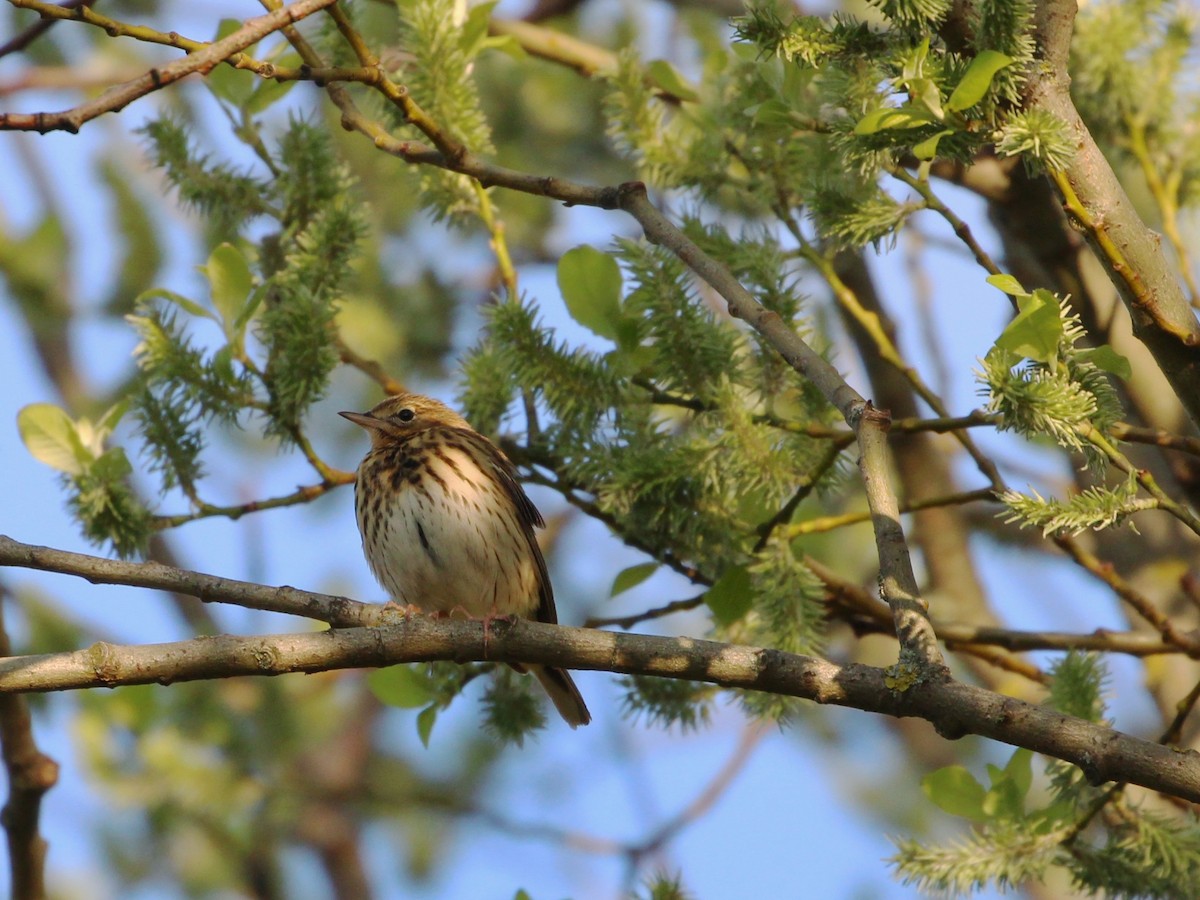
<point>405,415</point>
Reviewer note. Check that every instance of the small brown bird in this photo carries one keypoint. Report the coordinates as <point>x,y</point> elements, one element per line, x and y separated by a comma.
<point>446,526</point>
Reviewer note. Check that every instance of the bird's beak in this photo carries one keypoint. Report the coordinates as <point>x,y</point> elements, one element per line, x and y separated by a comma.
<point>362,419</point>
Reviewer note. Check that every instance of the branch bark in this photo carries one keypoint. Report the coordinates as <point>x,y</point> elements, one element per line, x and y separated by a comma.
<point>31,774</point>
<point>1092,195</point>
<point>953,708</point>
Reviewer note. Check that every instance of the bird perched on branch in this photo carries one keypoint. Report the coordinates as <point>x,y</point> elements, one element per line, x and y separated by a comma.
<point>446,526</point>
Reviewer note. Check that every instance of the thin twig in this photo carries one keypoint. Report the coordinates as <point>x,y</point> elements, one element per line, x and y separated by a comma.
<point>235,511</point>
<point>37,29</point>
<point>200,61</point>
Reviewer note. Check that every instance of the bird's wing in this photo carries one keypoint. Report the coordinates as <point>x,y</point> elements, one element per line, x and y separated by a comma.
<point>530,517</point>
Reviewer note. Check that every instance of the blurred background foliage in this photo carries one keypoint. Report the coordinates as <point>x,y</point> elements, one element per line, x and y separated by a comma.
<point>203,279</point>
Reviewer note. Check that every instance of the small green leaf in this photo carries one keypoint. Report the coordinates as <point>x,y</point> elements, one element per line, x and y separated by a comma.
<point>248,311</point>
<point>731,597</point>
<point>914,66</point>
<point>1106,358</point>
<point>927,149</point>
<point>887,118</point>
<point>1019,770</point>
<point>51,438</point>
<point>267,92</point>
<point>425,720</point>
<point>1010,785</point>
<point>771,112</point>
<point>400,686</point>
<point>632,577</point>
<point>475,27</point>
<point>1037,328</point>
<point>665,76</point>
<point>231,280</point>
<point>191,307</point>
<point>590,281</point>
<point>227,83</point>
<point>107,423</point>
<point>234,86</point>
<point>977,79</point>
<point>112,466</point>
<point>924,91</point>
<point>1008,284</point>
<point>956,791</point>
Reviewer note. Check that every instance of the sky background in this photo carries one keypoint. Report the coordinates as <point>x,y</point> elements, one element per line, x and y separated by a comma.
<point>784,827</point>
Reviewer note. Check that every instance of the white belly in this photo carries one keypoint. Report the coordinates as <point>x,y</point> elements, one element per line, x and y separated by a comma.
<point>456,542</point>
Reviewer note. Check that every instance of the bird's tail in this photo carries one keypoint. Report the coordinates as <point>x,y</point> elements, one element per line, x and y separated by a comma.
<point>563,694</point>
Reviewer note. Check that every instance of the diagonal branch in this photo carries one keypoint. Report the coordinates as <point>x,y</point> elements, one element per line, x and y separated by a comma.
<point>203,61</point>
<point>339,612</point>
<point>1093,197</point>
<point>898,584</point>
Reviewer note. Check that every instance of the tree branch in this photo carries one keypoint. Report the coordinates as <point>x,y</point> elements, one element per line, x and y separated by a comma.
<point>339,612</point>
<point>1131,254</point>
<point>31,774</point>
<point>954,709</point>
<point>899,584</point>
<point>118,97</point>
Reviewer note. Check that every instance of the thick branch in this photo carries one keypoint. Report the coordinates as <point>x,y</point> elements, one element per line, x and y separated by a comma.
<point>953,708</point>
<point>1092,195</point>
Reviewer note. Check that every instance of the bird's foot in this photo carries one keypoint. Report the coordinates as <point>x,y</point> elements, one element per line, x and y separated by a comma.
<point>487,620</point>
<point>404,610</point>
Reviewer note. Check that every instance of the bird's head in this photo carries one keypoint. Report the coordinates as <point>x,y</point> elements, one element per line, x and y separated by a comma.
<point>404,415</point>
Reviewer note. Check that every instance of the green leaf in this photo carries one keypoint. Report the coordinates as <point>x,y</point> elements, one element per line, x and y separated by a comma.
<point>231,280</point>
<point>267,92</point>
<point>140,236</point>
<point>187,305</point>
<point>1037,328</point>
<point>1008,284</point>
<point>924,91</point>
<point>112,466</point>
<point>226,82</point>
<point>109,419</point>
<point>732,595</point>
<point>956,791</point>
<point>425,721</point>
<point>927,149</point>
<point>665,76</point>
<point>475,27</point>
<point>887,118</point>
<point>248,311</point>
<point>1006,798</point>
<point>1106,358</point>
<point>234,86</point>
<point>590,281</point>
<point>52,438</point>
<point>977,79</point>
<point>401,686</point>
<point>771,112</point>
<point>1019,770</point>
<point>632,577</point>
